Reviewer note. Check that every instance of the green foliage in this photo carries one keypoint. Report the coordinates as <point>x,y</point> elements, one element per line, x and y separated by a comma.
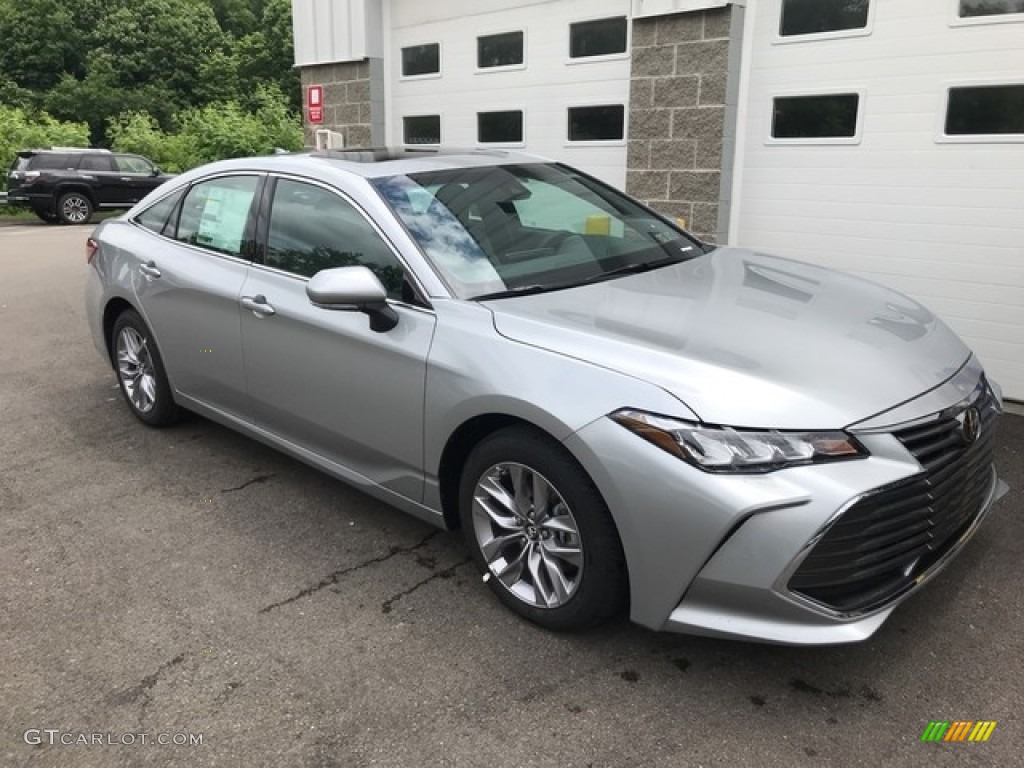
<point>236,17</point>
<point>226,129</point>
<point>41,40</point>
<point>138,132</point>
<point>20,130</point>
<point>93,60</point>
<point>214,132</point>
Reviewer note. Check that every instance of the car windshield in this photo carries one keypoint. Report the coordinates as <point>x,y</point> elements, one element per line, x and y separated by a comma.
<point>505,230</point>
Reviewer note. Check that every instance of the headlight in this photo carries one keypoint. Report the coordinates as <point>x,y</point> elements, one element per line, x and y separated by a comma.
<point>724,449</point>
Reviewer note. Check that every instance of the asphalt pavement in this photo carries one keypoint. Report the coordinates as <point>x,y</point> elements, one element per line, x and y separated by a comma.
<point>192,587</point>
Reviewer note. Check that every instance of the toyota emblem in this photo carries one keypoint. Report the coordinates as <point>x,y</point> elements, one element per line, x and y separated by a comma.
<point>971,425</point>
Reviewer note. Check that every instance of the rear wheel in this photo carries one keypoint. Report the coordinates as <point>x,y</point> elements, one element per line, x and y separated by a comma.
<point>140,371</point>
<point>74,208</point>
<point>540,532</point>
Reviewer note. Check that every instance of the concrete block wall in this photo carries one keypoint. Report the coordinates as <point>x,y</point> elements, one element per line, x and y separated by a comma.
<point>348,101</point>
<point>677,103</point>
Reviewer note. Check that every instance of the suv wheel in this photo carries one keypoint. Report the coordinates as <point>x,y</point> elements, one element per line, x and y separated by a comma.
<point>74,208</point>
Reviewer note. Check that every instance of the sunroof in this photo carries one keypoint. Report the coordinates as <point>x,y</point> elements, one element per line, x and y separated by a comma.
<point>376,155</point>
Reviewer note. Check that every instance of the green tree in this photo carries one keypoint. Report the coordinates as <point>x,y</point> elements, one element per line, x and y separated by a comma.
<point>267,55</point>
<point>22,130</point>
<point>213,132</point>
<point>226,129</point>
<point>138,132</point>
<point>218,77</point>
<point>41,40</point>
<point>142,55</point>
<point>95,59</point>
<point>237,17</point>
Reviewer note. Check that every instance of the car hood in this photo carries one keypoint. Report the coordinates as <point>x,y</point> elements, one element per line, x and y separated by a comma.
<point>748,340</point>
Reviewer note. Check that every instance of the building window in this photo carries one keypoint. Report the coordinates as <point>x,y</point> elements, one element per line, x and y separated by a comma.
<point>812,17</point>
<point>504,50</point>
<point>833,116</point>
<point>421,60</point>
<point>985,110</point>
<point>421,129</point>
<point>973,8</point>
<point>601,123</point>
<point>597,38</point>
<point>499,127</point>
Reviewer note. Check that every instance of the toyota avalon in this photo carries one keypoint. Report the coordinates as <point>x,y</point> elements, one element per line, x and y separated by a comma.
<point>619,417</point>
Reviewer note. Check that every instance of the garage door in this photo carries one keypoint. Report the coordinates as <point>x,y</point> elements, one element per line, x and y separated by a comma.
<point>548,78</point>
<point>887,139</point>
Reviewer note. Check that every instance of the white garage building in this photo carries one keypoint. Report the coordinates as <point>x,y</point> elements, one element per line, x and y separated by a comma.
<point>882,137</point>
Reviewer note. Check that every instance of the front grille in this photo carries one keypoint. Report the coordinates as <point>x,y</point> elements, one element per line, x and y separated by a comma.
<point>880,545</point>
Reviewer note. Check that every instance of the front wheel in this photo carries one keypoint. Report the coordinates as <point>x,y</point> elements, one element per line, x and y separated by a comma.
<point>140,371</point>
<point>540,532</point>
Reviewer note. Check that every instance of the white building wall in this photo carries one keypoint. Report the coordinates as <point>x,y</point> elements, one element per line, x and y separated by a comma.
<point>544,88</point>
<point>327,31</point>
<point>939,220</point>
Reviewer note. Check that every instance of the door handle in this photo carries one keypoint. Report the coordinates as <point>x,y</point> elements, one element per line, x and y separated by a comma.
<point>258,305</point>
<point>149,270</point>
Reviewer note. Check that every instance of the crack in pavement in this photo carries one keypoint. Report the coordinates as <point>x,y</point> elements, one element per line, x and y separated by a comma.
<point>247,483</point>
<point>333,578</point>
<point>130,695</point>
<point>447,573</point>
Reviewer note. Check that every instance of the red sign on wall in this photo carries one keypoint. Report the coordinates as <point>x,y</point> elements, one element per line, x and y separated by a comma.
<point>315,103</point>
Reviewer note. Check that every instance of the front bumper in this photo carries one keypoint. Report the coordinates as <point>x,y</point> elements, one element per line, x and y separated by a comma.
<point>714,554</point>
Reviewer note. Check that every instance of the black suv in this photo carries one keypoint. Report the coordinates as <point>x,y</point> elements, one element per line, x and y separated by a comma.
<point>66,185</point>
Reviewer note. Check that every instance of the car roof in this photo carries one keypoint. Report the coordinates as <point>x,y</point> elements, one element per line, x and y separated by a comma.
<point>61,150</point>
<point>373,162</point>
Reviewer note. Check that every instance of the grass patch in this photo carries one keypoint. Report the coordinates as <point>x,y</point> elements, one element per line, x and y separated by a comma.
<point>14,214</point>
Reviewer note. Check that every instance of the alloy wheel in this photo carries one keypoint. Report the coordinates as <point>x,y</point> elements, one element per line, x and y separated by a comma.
<point>75,209</point>
<point>527,535</point>
<point>135,367</point>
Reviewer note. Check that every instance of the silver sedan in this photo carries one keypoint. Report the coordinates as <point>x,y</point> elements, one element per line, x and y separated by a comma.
<point>618,416</point>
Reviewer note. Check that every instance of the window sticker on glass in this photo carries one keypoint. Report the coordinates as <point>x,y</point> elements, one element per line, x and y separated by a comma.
<point>222,222</point>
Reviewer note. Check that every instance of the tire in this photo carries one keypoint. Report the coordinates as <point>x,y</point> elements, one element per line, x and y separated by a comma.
<point>559,564</point>
<point>74,208</point>
<point>48,216</point>
<point>140,371</point>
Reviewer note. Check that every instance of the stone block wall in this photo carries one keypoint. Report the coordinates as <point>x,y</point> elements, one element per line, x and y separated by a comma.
<point>348,101</point>
<point>677,111</point>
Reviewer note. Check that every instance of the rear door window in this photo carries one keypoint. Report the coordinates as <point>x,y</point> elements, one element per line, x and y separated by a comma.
<point>216,214</point>
<point>95,163</point>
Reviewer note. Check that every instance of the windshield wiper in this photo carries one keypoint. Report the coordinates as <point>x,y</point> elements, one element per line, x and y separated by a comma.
<point>635,269</point>
<point>628,269</point>
<point>521,290</point>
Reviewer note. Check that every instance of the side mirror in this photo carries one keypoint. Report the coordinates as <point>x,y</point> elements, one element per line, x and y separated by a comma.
<point>156,171</point>
<point>353,289</point>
